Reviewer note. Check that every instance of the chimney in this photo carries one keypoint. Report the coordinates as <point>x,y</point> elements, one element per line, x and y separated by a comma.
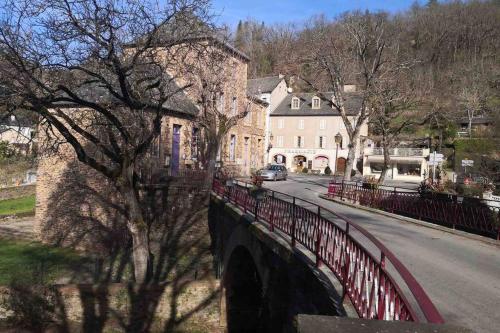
<point>349,88</point>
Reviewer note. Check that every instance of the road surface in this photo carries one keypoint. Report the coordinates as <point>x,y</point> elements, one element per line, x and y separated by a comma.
<point>460,275</point>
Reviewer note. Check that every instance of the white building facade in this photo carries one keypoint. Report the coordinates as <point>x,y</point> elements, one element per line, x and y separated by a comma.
<point>407,164</point>
<point>303,134</point>
<point>273,90</point>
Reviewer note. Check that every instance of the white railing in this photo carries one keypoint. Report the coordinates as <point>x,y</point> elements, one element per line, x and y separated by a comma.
<point>397,151</point>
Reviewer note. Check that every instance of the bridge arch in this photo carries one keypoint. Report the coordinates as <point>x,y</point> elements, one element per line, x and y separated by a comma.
<point>243,293</point>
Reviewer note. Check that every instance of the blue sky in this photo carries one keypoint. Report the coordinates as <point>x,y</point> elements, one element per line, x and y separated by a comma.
<point>273,11</point>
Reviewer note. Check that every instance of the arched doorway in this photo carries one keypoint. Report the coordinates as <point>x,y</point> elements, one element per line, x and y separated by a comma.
<point>321,162</point>
<point>299,162</point>
<point>279,159</point>
<point>245,309</point>
<point>341,163</point>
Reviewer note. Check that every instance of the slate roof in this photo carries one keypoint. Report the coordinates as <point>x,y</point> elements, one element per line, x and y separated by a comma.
<point>178,103</point>
<point>352,103</point>
<point>262,85</point>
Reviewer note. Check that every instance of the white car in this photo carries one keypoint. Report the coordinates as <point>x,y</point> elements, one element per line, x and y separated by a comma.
<point>274,172</point>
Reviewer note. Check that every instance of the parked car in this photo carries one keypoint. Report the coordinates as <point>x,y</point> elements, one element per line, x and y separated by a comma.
<point>274,172</point>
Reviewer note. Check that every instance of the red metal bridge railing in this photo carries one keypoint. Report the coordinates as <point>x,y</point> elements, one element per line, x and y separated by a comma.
<point>364,277</point>
<point>477,217</point>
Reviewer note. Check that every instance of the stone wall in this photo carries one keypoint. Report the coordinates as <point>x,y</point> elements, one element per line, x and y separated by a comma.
<point>17,192</point>
<point>190,306</point>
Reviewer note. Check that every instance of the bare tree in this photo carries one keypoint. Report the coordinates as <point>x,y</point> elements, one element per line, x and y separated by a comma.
<point>221,105</point>
<point>472,97</point>
<point>394,106</point>
<point>351,50</point>
<point>94,74</point>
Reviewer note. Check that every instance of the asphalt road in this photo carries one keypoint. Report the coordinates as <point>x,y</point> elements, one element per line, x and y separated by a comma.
<point>460,275</point>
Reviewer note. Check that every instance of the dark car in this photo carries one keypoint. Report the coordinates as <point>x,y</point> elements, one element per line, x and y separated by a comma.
<point>274,172</point>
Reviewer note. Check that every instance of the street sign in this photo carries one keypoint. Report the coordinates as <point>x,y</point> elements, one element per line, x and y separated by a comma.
<point>432,163</point>
<point>466,163</point>
<point>436,157</point>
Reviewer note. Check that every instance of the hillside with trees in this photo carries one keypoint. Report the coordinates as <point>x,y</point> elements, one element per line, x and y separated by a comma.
<point>438,62</point>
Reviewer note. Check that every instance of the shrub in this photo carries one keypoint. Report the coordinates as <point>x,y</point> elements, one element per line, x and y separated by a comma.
<point>305,170</point>
<point>328,171</point>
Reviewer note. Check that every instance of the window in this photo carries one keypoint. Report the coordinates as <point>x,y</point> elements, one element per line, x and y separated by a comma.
<point>248,119</point>
<point>279,141</point>
<point>234,106</point>
<point>376,167</point>
<point>232,146</point>
<point>300,142</point>
<point>316,103</point>
<point>295,103</point>
<point>322,124</point>
<point>281,123</point>
<point>321,142</point>
<point>405,169</point>
<point>221,103</point>
<point>301,124</point>
<point>195,143</point>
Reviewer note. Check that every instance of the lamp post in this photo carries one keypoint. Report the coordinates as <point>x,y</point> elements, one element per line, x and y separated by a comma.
<point>338,140</point>
<point>269,145</point>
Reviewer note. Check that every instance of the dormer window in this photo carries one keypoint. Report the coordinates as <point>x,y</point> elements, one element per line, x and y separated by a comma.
<point>334,101</point>
<point>316,102</point>
<point>295,103</point>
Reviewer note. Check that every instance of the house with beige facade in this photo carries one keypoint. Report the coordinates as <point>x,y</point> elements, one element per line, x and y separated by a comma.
<point>273,90</point>
<point>307,131</point>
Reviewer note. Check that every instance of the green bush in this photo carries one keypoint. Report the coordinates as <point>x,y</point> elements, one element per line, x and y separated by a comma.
<point>328,171</point>
<point>305,170</point>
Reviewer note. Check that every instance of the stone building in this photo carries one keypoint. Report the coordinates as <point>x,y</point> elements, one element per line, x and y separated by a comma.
<point>68,190</point>
<point>307,131</point>
<point>243,149</point>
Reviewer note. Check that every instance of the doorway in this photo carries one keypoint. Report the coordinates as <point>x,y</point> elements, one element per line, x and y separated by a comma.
<point>176,143</point>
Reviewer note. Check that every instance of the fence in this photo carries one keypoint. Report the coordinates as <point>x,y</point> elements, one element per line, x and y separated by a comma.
<point>468,214</point>
<point>365,278</point>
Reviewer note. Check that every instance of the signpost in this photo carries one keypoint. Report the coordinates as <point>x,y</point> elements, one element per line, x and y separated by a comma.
<point>466,163</point>
<point>435,159</point>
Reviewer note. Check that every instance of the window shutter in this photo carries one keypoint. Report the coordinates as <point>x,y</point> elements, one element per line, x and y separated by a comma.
<point>316,144</point>
<point>295,141</point>
<point>302,142</point>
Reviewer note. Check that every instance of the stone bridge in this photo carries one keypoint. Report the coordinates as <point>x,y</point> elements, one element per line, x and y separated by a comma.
<point>282,265</point>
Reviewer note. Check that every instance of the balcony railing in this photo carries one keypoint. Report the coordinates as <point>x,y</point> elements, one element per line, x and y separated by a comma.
<point>404,152</point>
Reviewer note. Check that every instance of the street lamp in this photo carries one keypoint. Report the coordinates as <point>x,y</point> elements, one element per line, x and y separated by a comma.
<point>338,140</point>
<point>270,143</point>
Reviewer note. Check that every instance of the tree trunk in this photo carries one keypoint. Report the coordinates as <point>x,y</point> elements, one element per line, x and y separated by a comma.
<point>137,227</point>
<point>387,163</point>
<point>211,161</point>
<point>351,156</point>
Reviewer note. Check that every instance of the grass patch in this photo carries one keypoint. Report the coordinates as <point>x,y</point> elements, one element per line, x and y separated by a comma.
<point>18,206</point>
<point>34,262</point>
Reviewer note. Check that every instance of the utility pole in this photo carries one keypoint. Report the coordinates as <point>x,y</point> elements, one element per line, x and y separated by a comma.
<point>434,167</point>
